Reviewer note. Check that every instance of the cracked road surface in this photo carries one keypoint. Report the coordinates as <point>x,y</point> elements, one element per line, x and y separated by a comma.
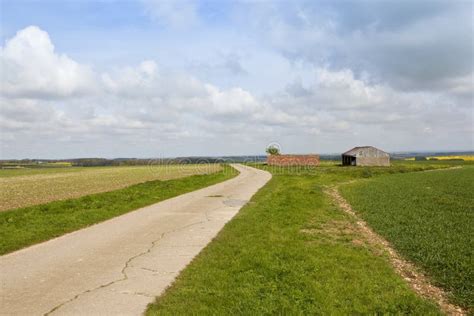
<point>121,265</point>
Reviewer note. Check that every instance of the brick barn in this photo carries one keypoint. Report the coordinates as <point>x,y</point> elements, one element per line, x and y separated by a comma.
<point>293,160</point>
<point>365,156</point>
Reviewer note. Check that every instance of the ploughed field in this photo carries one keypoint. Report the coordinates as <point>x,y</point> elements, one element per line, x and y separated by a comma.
<point>22,227</point>
<point>429,218</point>
<point>26,187</point>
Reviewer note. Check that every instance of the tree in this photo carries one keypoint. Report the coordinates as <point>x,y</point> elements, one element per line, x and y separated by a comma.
<point>273,150</point>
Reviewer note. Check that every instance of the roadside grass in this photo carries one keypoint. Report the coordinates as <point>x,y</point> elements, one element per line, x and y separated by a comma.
<point>429,219</point>
<point>26,226</point>
<point>27,187</point>
<point>292,251</point>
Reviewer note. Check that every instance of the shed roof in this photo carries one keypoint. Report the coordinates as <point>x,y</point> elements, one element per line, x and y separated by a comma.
<point>353,152</point>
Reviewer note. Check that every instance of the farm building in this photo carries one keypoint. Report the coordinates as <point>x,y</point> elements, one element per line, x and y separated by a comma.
<point>293,160</point>
<point>365,156</point>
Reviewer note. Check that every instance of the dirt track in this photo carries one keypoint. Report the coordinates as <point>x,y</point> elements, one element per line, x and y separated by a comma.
<point>119,266</point>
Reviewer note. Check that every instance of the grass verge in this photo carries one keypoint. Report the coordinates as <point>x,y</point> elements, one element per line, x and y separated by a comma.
<point>291,251</point>
<point>26,226</point>
<point>428,218</point>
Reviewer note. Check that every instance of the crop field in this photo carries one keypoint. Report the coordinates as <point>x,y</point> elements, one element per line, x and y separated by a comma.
<point>462,157</point>
<point>26,187</point>
<point>29,225</point>
<point>429,218</point>
<point>21,165</point>
<point>291,250</point>
<point>452,157</point>
<point>16,172</point>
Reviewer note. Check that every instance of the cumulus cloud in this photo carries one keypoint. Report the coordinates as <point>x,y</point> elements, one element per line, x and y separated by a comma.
<point>132,81</point>
<point>31,68</point>
<point>132,101</point>
<point>407,44</point>
<point>50,99</point>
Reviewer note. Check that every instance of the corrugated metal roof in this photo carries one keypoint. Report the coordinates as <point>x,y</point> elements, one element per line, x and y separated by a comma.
<point>355,150</point>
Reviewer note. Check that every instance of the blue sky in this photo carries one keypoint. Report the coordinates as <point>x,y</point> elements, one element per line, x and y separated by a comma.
<point>166,78</point>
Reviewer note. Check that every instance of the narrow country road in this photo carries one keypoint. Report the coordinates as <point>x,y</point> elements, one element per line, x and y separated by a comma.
<point>117,267</point>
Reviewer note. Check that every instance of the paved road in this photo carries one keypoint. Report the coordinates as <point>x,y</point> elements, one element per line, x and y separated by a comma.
<point>119,266</point>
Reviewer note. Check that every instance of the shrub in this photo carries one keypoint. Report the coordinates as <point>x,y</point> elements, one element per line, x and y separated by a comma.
<point>272,150</point>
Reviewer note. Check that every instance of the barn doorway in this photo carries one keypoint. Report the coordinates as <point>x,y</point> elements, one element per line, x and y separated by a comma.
<point>349,161</point>
<point>352,161</point>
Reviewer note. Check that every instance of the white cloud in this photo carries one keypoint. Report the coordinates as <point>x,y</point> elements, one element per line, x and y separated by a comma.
<point>146,110</point>
<point>31,68</point>
<point>132,81</point>
<point>411,45</point>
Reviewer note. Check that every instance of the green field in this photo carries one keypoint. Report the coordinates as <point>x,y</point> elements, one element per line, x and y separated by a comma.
<point>26,226</point>
<point>26,187</point>
<point>429,218</point>
<point>292,251</point>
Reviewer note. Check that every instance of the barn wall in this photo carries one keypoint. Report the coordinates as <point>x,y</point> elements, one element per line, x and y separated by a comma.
<point>293,160</point>
<point>373,161</point>
<point>371,152</point>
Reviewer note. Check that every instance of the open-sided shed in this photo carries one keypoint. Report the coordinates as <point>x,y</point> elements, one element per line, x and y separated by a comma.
<point>365,156</point>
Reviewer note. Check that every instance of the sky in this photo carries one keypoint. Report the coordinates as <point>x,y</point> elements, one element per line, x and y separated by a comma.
<point>157,78</point>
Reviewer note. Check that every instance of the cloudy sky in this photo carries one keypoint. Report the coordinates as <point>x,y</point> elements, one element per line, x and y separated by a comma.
<point>173,78</point>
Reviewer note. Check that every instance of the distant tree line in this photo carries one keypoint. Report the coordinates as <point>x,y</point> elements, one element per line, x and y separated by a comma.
<point>103,162</point>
